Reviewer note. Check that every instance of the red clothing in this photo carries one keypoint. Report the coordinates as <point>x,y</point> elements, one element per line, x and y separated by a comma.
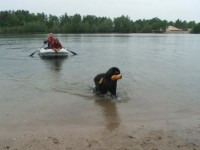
<point>50,40</point>
<point>56,45</point>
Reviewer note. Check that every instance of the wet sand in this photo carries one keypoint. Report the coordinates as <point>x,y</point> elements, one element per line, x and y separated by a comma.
<point>79,137</point>
<point>85,128</point>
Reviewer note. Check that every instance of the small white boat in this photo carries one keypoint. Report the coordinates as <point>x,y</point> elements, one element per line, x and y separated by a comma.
<point>42,52</point>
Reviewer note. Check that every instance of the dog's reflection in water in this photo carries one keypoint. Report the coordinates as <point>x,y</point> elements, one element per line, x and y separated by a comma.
<point>109,110</point>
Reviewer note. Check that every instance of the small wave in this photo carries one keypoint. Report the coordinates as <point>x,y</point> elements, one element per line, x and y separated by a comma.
<point>122,96</point>
<point>88,94</point>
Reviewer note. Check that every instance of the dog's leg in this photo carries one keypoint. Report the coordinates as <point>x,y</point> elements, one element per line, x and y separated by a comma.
<point>113,89</point>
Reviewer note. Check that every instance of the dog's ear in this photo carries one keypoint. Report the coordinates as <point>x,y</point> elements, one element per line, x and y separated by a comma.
<point>113,71</point>
<point>116,71</point>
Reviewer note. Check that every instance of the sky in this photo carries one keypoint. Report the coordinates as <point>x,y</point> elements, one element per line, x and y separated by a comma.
<point>169,10</point>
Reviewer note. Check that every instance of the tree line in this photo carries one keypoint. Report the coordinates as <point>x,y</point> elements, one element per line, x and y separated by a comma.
<point>22,21</point>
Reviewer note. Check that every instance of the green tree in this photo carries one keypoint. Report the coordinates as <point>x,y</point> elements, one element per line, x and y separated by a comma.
<point>64,19</point>
<point>53,21</point>
<point>76,24</point>
<point>196,28</point>
<point>191,24</point>
<point>91,22</point>
<point>122,24</point>
<point>22,21</point>
<point>106,26</point>
<point>146,29</point>
<point>86,27</point>
<point>33,27</point>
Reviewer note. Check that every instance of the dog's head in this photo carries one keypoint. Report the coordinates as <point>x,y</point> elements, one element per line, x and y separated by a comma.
<point>113,74</point>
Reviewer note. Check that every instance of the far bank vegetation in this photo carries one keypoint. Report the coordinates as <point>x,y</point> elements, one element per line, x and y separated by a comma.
<point>22,21</point>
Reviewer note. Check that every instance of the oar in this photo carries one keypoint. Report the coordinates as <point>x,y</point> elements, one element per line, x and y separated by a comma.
<point>71,51</point>
<point>36,50</point>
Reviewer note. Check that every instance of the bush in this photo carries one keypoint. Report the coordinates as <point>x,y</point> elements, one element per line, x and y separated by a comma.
<point>34,27</point>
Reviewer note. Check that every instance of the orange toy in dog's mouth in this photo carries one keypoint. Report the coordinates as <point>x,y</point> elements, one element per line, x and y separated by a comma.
<point>116,77</point>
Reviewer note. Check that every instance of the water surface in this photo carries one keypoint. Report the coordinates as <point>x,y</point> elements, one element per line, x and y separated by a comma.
<point>160,84</point>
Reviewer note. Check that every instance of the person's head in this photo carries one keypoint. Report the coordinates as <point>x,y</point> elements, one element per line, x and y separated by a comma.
<point>50,35</point>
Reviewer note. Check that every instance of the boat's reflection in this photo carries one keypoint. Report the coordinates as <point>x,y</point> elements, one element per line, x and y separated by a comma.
<point>55,63</point>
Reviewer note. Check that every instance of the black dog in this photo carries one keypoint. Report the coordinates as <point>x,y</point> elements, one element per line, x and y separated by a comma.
<point>105,82</point>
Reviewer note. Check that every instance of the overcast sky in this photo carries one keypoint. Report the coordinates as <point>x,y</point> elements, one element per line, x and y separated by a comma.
<point>171,10</point>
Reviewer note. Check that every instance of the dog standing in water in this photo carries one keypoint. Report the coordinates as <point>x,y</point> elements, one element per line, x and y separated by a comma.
<point>107,82</point>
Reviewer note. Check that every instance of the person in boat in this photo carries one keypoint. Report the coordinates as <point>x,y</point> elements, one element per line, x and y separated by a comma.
<point>49,41</point>
<point>55,45</point>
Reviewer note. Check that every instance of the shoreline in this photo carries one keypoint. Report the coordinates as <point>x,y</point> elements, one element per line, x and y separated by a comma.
<point>139,136</point>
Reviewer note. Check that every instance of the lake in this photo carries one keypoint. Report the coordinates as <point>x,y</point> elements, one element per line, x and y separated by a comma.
<point>160,85</point>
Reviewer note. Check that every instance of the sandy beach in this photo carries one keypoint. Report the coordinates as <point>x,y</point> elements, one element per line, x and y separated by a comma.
<point>95,138</point>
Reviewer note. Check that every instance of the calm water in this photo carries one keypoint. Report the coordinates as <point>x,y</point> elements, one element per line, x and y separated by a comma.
<point>161,76</point>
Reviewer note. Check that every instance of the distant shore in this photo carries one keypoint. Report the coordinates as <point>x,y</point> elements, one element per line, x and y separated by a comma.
<point>22,21</point>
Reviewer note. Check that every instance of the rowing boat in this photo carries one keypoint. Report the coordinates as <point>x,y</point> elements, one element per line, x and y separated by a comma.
<point>42,52</point>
